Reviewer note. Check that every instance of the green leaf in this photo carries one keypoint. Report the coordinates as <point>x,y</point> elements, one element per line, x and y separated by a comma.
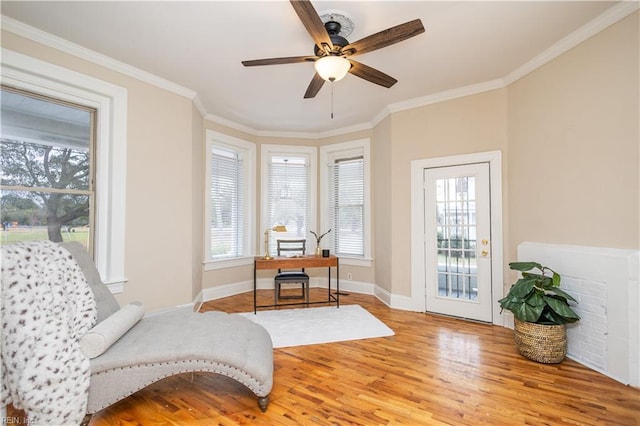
<point>524,266</point>
<point>528,313</point>
<point>558,291</point>
<point>551,318</point>
<point>536,300</point>
<point>522,288</point>
<point>509,303</point>
<point>561,308</point>
<point>556,279</point>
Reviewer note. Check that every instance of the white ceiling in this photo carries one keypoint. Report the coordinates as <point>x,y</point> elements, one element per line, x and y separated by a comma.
<point>199,46</point>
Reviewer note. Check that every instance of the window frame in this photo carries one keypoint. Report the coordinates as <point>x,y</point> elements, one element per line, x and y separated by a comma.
<point>328,154</point>
<point>266,152</point>
<point>248,150</point>
<point>110,101</point>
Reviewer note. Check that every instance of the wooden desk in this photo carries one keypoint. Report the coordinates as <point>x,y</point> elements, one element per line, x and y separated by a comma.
<point>310,261</point>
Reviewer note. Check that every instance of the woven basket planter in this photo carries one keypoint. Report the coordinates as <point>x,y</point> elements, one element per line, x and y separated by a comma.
<point>542,343</point>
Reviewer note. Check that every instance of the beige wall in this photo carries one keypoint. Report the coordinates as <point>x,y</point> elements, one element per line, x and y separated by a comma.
<point>467,125</point>
<point>573,145</point>
<point>197,195</point>
<point>159,197</point>
<point>381,155</point>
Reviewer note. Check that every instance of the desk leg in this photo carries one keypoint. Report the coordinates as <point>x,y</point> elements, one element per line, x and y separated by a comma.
<point>255,300</point>
<point>338,284</point>
<point>329,285</point>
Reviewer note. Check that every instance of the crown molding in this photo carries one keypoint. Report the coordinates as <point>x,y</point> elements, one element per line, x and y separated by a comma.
<point>229,123</point>
<point>66,46</point>
<point>199,106</point>
<point>384,113</point>
<point>283,134</point>
<point>593,27</point>
<point>320,135</point>
<point>448,95</point>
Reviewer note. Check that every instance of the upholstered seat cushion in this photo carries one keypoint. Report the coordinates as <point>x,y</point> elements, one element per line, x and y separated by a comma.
<point>291,276</point>
<point>180,341</point>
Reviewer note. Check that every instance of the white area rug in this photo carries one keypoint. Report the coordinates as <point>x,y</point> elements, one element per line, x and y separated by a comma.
<point>309,326</point>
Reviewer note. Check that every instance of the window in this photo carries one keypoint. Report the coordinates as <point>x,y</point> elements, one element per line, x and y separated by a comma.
<point>345,200</point>
<point>110,104</point>
<point>47,169</point>
<point>288,190</point>
<point>230,195</point>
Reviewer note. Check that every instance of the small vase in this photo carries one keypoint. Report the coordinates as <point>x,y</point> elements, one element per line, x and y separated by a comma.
<point>318,251</point>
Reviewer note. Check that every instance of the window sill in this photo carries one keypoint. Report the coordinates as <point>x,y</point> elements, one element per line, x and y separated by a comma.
<point>211,265</point>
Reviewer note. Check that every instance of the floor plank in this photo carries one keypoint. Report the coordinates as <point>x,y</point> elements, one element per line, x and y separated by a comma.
<point>434,371</point>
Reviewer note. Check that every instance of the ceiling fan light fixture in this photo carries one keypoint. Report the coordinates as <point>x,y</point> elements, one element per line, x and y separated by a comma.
<point>332,68</point>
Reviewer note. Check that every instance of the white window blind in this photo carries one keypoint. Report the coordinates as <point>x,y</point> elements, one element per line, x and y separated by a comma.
<point>346,197</point>
<point>288,198</point>
<point>227,204</point>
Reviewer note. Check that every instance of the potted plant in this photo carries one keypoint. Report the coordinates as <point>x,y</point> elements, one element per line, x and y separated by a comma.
<point>541,312</point>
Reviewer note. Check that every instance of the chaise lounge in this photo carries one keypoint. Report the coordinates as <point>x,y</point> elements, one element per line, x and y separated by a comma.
<point>129,353</point>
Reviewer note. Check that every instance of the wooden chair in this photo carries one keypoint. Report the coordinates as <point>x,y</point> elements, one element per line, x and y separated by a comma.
<point>291,277</point>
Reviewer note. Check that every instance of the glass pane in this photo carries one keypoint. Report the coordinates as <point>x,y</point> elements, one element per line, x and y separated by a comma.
<point>456,239</point>
<point>44,144</point>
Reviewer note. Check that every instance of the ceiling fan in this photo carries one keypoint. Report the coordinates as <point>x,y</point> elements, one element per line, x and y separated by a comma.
<point>333,52</point>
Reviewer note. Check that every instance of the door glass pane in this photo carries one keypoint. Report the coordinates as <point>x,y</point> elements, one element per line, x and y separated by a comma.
<point>456,242</point>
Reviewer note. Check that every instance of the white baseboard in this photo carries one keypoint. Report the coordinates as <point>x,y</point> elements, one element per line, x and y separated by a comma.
<point>392,300</point>
<point>226,290</point>
<point>197,302</point>
<point>356,287</point>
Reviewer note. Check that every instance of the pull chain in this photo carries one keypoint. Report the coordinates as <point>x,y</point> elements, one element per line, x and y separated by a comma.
<point>332,100</point>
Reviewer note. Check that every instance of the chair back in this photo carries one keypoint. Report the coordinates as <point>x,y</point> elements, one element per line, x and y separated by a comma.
<point>292,247</point>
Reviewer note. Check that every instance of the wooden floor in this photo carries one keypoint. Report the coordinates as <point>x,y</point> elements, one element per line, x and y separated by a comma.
<point>434,371</point>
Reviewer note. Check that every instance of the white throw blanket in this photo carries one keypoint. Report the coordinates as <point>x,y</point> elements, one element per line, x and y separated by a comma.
<point>47,306</point>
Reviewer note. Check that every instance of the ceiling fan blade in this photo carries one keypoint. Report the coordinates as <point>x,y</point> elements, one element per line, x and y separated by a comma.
<point>278,61</point>
<point>385,38</point>
<point>312,22</point>
<point>314,86</point>
<point>371,74</point>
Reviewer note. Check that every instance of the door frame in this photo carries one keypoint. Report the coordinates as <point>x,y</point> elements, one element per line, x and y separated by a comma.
<point>418,276</point>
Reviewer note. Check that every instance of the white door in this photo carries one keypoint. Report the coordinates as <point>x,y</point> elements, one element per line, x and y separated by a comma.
<point>457,241</point>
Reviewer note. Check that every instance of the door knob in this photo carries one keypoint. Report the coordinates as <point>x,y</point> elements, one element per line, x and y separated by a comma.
<point>485,252</point>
